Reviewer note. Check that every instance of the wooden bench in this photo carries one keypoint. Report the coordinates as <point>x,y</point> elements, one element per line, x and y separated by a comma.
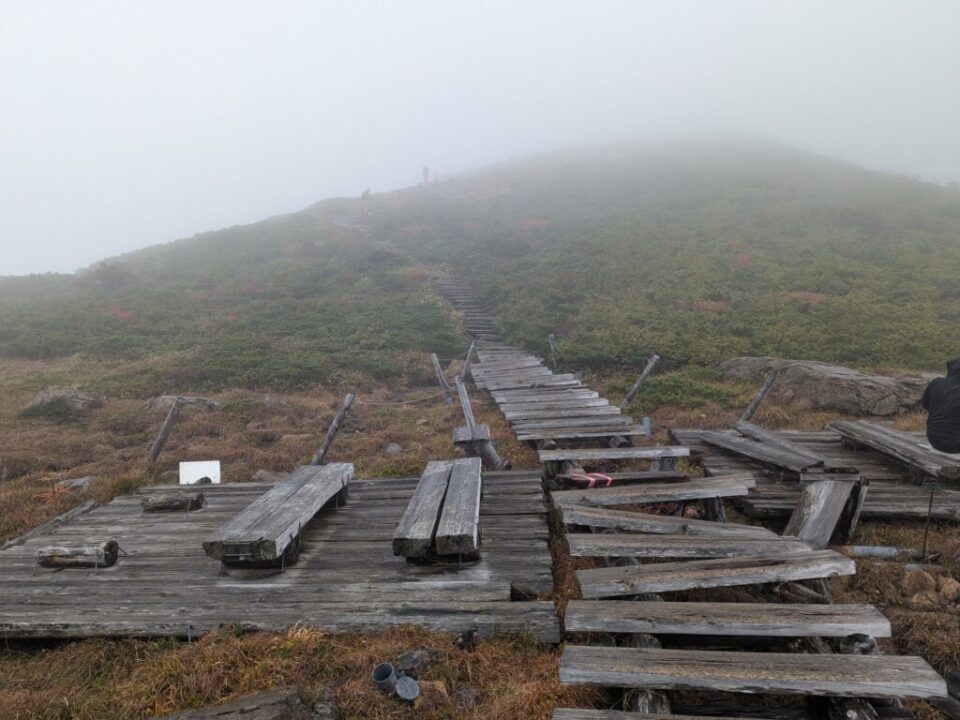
<point>443,516</point>
<point>270,526</point>
<point>868,676</point>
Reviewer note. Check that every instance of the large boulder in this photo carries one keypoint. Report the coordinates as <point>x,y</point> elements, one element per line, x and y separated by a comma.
<point>188,404</point>
<point>61,400</point>
<point>834,387</point>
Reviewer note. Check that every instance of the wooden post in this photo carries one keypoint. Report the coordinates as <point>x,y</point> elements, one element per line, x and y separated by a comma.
<point>444,385</point>
<point>332,430</point>
<point>552,339</point>
<point>466,362</point>
<point>651,364</point>
<point>755,403</point>
<point>465,403</point>
<point>164,430</point>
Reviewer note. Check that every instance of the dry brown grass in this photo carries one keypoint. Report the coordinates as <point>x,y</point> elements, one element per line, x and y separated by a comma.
<point>103,679</point>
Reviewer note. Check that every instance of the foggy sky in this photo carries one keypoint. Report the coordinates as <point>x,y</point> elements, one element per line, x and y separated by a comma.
<point>124,124</point>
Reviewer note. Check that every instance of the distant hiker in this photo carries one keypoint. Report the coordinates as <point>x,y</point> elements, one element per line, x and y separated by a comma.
<point>941,400</point>
<point>365,197</point>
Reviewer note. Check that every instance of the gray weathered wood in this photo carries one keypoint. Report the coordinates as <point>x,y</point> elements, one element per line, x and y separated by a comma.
<point>458,532</point>
<point>758,398</point>
<point>270,524</point>
<point>635,388</point>
<point>900,446</point>
<point>662,547</point>
<point>444,385</point>
<point>466,362</point>
<point>332,430</point>
<point>49,525</point>
<point>165,428</point>
<point>574,433</point>
<point>417,528</point>
<point>876,676</point>
<point>172,502</point>
<point>465,405</point>
<point>602,454</point>
<point>769,455</point>
<point>695,489</point>
<point>99,555</point>
<point>724,572</point>
<point>725,619</point>
<point>821,504</point>
<point>629,521</point>
<point>754,432</point>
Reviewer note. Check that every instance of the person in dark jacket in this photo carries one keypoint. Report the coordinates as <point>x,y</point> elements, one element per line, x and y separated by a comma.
<point>941,400</point>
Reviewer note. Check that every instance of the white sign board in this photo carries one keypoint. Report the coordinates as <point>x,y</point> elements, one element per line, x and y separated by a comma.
<point>201,471</point>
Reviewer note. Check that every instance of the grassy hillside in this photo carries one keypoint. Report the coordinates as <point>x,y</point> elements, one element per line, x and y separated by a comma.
<point>696,252</point>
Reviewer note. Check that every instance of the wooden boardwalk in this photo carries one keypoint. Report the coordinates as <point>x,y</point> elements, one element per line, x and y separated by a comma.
<point>346,579</point>
<point>891,494</point>
<point>542,407</point>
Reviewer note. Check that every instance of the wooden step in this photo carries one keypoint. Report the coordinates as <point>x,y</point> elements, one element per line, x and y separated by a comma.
<point>642,494</point>
<point>626,521</point>
<point>585,433</point>
<point>605,454</point>
<point>660,546</point>
<point>724,572</point>
<point>561,423</point>
<point>868,676</point>
<point>573,408</point>
<point>725,619</point>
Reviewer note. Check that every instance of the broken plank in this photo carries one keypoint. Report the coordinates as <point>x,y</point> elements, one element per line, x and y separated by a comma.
<point>725,572</point>
<point>660,547</point>
<point>725,619</point>
<point>605,454</point>
<point>819,508</point>
<point>760,452</point>
<point>696,489</point>
<point>900,446</point>
<point>871,676</point>
<point>627,521</point>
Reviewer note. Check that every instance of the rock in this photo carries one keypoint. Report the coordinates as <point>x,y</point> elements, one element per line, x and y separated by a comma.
<point>466,698</point>
<point>77,484</point>
<point>58,400</point>
<point>296,439</point>
<point>170,476</point>
<point>926,600</point>
<point>834,387</point>
<point>917,581</point>
<point>948,588</point>
<point>691,513</point>
<point>418,660</point>
<point>392,449</point>
<point>325,708</point>
<point>467,641</point>
<point>422,421</point>
<point>188,404</point>
<point>269,476</point>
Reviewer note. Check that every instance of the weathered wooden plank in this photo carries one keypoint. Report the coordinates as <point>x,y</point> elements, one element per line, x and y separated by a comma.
<point>754,432</point>
<point>601,454</point>
<point>820,506</point>
<point>458,532</point>
<point>761,452</point>
<point>608,420</point>
<point>725,619</point>
<point>725,572</point>
<point>543,395</point>
<point>695,489</point>
<point>628,521</point>
<point>571,410</point>
<point>52,524</point>
<point>871,676</point>
<point>582,432</point>
<point>101,554</point>
<point>173,502</point>
<point>900,446</point>
<point>657,547</point>
<point>415,532</point>
<point>272,522</point>
<point>554,381</point>
<point>282,704</point>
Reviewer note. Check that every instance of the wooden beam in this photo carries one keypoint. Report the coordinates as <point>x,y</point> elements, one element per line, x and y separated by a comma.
<point>444,385</point>
<point>631,521</point>
<point>874,676</point>
<point>725,572</point>
<point>458,530</point>
<point>659,547</point>
<point>695,489</point>
<point>635,388</point>
<point>761,394</point>
<point>725,619</point>
<point>332,430</point>
<point>165,429</point>
<point>418,526</point>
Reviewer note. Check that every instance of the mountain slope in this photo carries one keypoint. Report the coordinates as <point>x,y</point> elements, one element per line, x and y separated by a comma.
<point>698,252</point>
